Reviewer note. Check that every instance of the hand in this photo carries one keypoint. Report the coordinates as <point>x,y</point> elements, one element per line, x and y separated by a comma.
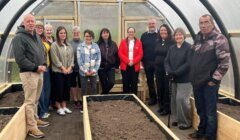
<point>211,83</point>
<point>69,70</point>
<point>171,77</point>
<point>117,70</point>
<point>87,73</point>
<point>64,70</point>
<point>41,69</point>
<point>130,63</point>
<point>92,72</point>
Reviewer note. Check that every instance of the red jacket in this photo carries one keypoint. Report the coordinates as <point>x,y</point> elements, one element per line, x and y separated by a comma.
<point>137,54</point>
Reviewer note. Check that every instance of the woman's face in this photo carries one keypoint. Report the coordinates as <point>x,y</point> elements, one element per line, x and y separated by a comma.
<point>163,32</point>
<point>39,30</point>
<point>88,38</point>
<point>62,34</point>
<point>105,35</point>
<point>48,31</point>
<point>179,38</point>
<point>131,33</point>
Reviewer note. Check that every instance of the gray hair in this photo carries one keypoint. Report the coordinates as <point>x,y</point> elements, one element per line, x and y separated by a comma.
<point>76,29</point>
<point>180,30</point>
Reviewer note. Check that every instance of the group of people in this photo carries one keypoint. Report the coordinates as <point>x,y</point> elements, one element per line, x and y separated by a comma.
<point>50,69</point>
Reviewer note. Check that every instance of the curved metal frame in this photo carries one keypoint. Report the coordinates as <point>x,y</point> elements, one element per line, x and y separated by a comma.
<point>224,31</point>
<point>161,14</point>
<point>182,16</point>
<point>12,22</point>
<point>3,3</point>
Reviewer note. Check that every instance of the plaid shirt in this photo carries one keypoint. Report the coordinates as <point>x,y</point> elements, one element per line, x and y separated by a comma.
<point>88,58</point>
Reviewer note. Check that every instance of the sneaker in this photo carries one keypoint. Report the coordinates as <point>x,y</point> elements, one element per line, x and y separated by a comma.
<point>45,115</point>
<point>36,133</point>
<point>61,112</point>
<point>41,123</point>
<point>66,110</point>
<point>196,135</point>
<point>81,108</point>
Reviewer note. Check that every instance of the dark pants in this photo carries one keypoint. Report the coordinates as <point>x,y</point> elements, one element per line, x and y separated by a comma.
<point>130,80</point>
<point>107,79</point>
<point>162,83</point>
<point>75,79</point>
<point>149,71</point>
<point>93,84</point>
<point>206,104</point>
<point>44,99</point>
<point>62,87</point>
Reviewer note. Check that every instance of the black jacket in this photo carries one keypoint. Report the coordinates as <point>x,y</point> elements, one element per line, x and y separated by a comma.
<point>177,62</point>
<point>161,51</point>
<point>109,55</point>
<point>28,50</point>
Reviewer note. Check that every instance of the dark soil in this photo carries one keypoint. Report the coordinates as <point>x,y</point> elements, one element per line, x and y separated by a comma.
<point>4,119</point>
<point>232,111</point>
<point>121,120</point>
<point>15,99</point>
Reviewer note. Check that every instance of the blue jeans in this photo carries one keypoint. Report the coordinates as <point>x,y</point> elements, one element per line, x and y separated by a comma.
<point>206,104</point>
<point>45,95</point>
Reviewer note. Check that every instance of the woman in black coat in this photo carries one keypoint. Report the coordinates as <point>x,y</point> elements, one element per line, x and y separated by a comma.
<point>163,44</point>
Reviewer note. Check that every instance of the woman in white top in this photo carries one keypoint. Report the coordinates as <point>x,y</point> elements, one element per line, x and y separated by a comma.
<point>130,54</point>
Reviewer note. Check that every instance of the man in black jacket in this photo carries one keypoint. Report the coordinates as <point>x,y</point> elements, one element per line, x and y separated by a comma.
<point>29,55</point>
<point>148,43</point>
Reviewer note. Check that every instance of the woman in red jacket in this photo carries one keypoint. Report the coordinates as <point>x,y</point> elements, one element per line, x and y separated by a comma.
<point>130,54</point>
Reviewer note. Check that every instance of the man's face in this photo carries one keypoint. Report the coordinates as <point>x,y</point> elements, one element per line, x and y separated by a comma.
<point>76,34</point>
<point>206,25</point>
<point>29,23</point>
<point>152,25</point>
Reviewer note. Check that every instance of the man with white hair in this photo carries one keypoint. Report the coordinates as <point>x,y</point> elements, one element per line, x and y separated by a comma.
<point>29,55</point>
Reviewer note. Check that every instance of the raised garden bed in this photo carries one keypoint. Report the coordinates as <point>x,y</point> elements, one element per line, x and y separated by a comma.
<point>121,117</point>
<point>228,118</point>
<point>13,99</point>
<point>12,113</point>
<point>15,128</point>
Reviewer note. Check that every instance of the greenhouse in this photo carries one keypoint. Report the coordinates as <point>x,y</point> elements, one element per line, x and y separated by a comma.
<point>119,19</point>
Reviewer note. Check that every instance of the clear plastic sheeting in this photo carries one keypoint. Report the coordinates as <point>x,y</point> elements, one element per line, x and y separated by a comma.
<point>169,14</point>
<point>7,14</point>
<point>229,13</point>
<point>192,9</point>
<point>97,19</point>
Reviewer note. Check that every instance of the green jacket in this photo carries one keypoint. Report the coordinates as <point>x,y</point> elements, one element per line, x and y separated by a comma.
<point>28,50</point>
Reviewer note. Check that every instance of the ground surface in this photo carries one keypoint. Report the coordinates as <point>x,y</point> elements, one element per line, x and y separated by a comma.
<point>14,99</point>
<point>121,120</point>
<point>4,119</point>
<point>70,127</point>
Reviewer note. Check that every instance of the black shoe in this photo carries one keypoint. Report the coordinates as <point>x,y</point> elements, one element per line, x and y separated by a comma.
<point>164,113</point>
<point>152,102</point>
<point>196,135</point>
<point>174,124</point>
<point>184,127</point>
<point>160,110</point>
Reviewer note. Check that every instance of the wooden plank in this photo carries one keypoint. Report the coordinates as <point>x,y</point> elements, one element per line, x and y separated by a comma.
<point>5,87</point>
<point>86,121</point>
<point>16,128</point>
<point>228,128</point>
